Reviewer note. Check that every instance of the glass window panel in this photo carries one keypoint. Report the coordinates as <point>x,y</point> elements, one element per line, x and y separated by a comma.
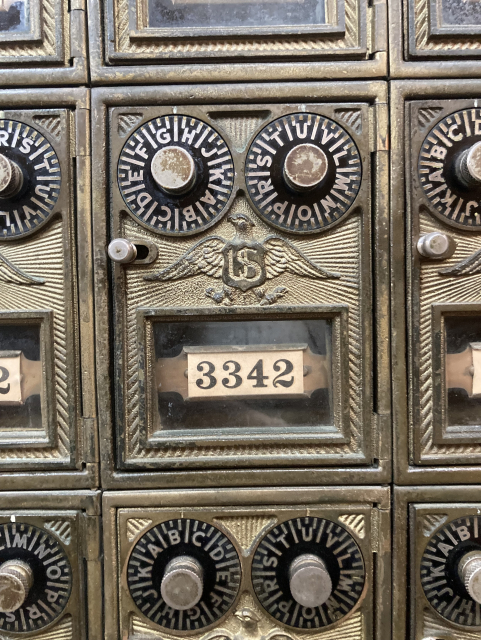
<point>20,377</point>
<point>174,14</point>
<point>271,373</point>
<point>13,16</point>
<point>461,12</point>
<point>464,404</point>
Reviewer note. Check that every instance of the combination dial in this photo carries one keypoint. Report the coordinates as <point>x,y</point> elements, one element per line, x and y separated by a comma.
<point>449,169</point>
<point>35,578</point>
<point>184,574</point>
<point>30,179</point>
<point>308,572</point>
<point>451,571</point>
<point>176,175</point>
<point>303,173</point>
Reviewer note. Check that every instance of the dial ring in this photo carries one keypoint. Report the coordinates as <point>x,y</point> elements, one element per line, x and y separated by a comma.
<point>206,544</point>
<point>331,197</point>
<point>207,193</point>
<point>315,536</point>
<point>34,203</point>
<point>439,574</point>
<point>52,579</point>
<point>440,172</point>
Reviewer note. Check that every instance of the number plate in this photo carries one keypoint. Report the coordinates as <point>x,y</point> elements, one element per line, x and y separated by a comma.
<point>10,380</point>
<point>228,372</point>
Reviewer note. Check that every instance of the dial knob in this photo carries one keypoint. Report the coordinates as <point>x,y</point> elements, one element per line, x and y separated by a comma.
<point>11,177</point>
<point>450,570</point>
<point>308,572</point>
<point>181,586</point>
<point>470,571</point>
<point>305,167</point>
<point>298,186</point>
<point>173,169</point>
<point>309,580</point>
<point>176,175</point>
<point>35,577</point>
<point>469,166</point>
<point>449,169</point>
<point>122,250</point>
<point>183,574</point>
<point>16,578</point>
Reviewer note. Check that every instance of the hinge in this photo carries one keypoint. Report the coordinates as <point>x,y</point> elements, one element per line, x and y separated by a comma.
<point>381,425</point>
<point>78,41</point>
<point>82,132</point>
<point>379,127</point>
<point>90,440</point>
<point>379,28</point>
<point>374,530</point>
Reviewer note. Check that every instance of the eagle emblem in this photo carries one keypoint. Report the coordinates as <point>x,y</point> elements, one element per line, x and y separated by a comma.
<point>467,267</point>
<point>11,274</point>
<point>243,263</point>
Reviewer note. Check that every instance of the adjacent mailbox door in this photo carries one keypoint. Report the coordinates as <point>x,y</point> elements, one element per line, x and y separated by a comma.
<point>241,285</point>
<point>46,402</point>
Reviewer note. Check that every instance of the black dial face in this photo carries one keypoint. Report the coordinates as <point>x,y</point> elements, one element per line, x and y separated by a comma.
<point>176,175</point>
<point>38,172</point>
<point>325,539</point>
<point>51,572</point>
<point>303,173</point>
<point>204,543</point>
<point>440,576</point>
<point>452,199</point>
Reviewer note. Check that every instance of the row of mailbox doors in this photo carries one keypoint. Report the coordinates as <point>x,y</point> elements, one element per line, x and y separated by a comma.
<point>256,563</point>
<point>207,287</point>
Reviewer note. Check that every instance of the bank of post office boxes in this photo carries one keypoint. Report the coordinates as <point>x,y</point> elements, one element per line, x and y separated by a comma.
<point>240,249</point>
<point>50,571</point>
<point>248,563</point>
<point>431,39</point>
<point>47,397</point>
<point>436,196</point>
<point>43,42</point>
<point>437,563</point>
<point>150,41</point>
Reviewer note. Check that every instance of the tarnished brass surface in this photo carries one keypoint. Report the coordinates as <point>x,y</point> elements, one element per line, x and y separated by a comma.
<point>245,517</point>
<point>142,449</point>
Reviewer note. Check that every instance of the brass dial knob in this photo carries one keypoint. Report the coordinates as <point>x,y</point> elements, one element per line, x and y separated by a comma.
<point>469,166</point>
<point>309,581</point>
<point>173,169</point>
<point>305,167</point>
<point>11,177</point>
<point>470,572</point>
<point>182,584</point>
<point>16,579</point>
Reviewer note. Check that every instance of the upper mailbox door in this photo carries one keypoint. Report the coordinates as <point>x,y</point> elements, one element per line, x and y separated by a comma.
<point>42,42</point>
<point>433,38</point>
<point>242,286</point>
<point>44,170</point>
<point>144,37</point>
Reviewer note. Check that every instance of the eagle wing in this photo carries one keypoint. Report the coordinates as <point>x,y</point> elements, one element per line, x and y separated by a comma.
<point>204,257</point>
<point>281,255</point>
<point>467,267</point>
<point>9,273</point>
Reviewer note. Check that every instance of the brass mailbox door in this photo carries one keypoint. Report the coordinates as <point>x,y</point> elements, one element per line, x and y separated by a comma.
<point>261,563</point>
<point>47,405</point>
<point>442,286</point>
<point>42,42</point>
<point>436,563</point>
<point>241,283</point>
<point>146,41</point>
<point>50,565</point>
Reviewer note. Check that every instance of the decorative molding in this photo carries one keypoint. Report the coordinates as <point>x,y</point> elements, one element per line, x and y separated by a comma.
<point>62,529</point>
<point>51,123</point>
<point>356,522</point>
<point>246,530</point>
<point>136,526</point>
<point>427,114</point>
<point>352,117</point>
<point>126,122</point>
<point>432,522</point>
<point>240,128</point>
<point>9,273</point>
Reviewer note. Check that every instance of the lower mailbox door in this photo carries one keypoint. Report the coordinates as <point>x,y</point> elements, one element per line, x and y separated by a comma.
<point>241,285</point>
